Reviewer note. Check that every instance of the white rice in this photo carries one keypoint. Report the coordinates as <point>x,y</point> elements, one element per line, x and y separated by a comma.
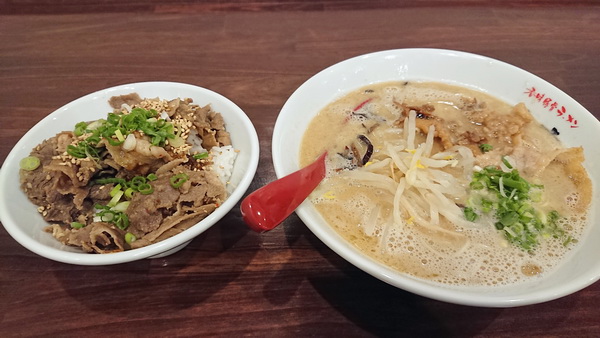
<point>223,159</point>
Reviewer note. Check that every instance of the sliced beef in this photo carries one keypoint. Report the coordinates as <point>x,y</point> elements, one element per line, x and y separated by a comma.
<point>146,212</point>
<point>116,102</point>
<point>96,237</point>
<point>210,127</point>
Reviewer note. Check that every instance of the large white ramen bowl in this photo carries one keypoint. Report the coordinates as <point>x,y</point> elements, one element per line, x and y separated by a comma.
<point>21,219</point>
<point>576,125</point>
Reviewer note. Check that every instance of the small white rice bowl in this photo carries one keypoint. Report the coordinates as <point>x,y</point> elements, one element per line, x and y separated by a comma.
<point>579,269</point>
<point>237,165</point>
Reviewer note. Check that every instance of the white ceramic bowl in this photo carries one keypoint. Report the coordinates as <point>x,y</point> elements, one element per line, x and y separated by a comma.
<point>23,222</point>
<point>509,83</point>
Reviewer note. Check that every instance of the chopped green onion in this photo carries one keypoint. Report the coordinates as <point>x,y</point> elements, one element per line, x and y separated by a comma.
<point>200,156</point>
<point>509,218</point>
<point>568,240</point>
<point>510,196</point>
<point>115,190</point>
<point>116,198</point>
<point>476,185</point>
<point>83,149</point>
<point>138,180</point>
<point>121,206</point>
<point>121,221</point>
<point>145,189</point>
<point>470,214</point>
<point>76,151</point>
<point>129,193</point>
<point>113,119</point>
<point>80,128</point>
<point>177,141</point>
<point>94,125</point>
<point>484,147</point>
<point>506,163</point>
<point>116,127</point>
<point>129,238</point>
<point>178,180</point>
<point>107,216</point>
<point>29,163</point>
<point>111,215</point>
<point>136,184</point>
<point>518,185</point>
<point>77,225</point>
<point>119,135</point>
<point>109,180</point>
<point>114,142</point>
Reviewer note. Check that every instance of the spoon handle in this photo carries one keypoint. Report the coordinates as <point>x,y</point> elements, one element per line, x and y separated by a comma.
<point>268,206</point>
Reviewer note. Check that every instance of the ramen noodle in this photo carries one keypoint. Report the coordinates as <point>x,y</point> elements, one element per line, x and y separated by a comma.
<point>447,184</point>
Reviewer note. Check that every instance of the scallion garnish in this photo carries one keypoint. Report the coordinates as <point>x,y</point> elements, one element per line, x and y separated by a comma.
<point>470,214</point>
<point>109,180</point>
<point>115,190</point>
<point>127,188</point>
<point>506,163</point>
<point>115,129</point>
<point>110,215</point>
<point>137,181</point>
<point>200,156</point>
<point>145,189</point>
<point>129,238</point>
<point>83,149</point>
<point>177,141</point>
<point>80,128</point>
<point>29,163</point>
<point>510,196</point>
<point>129,193</point>
<point>119,135</point>
<point>178,180</point>
<point>484,147</point>
<point>121,206</point>
<point>77,225</point>
<point>116,198</point>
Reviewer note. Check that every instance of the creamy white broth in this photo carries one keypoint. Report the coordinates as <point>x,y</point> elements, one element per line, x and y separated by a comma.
<point>359,212</point>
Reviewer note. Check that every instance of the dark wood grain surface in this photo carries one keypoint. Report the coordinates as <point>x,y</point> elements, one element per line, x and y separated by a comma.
<point>230,281</point>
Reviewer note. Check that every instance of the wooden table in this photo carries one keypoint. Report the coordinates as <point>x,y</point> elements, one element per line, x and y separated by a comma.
<point>230,281</point>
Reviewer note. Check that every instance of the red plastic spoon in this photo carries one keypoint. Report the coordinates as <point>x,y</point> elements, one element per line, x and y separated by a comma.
<point>267,207</point>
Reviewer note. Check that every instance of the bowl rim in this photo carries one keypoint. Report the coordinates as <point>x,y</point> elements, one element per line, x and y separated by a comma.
<point>378,270</point>
<point>171,244</point>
